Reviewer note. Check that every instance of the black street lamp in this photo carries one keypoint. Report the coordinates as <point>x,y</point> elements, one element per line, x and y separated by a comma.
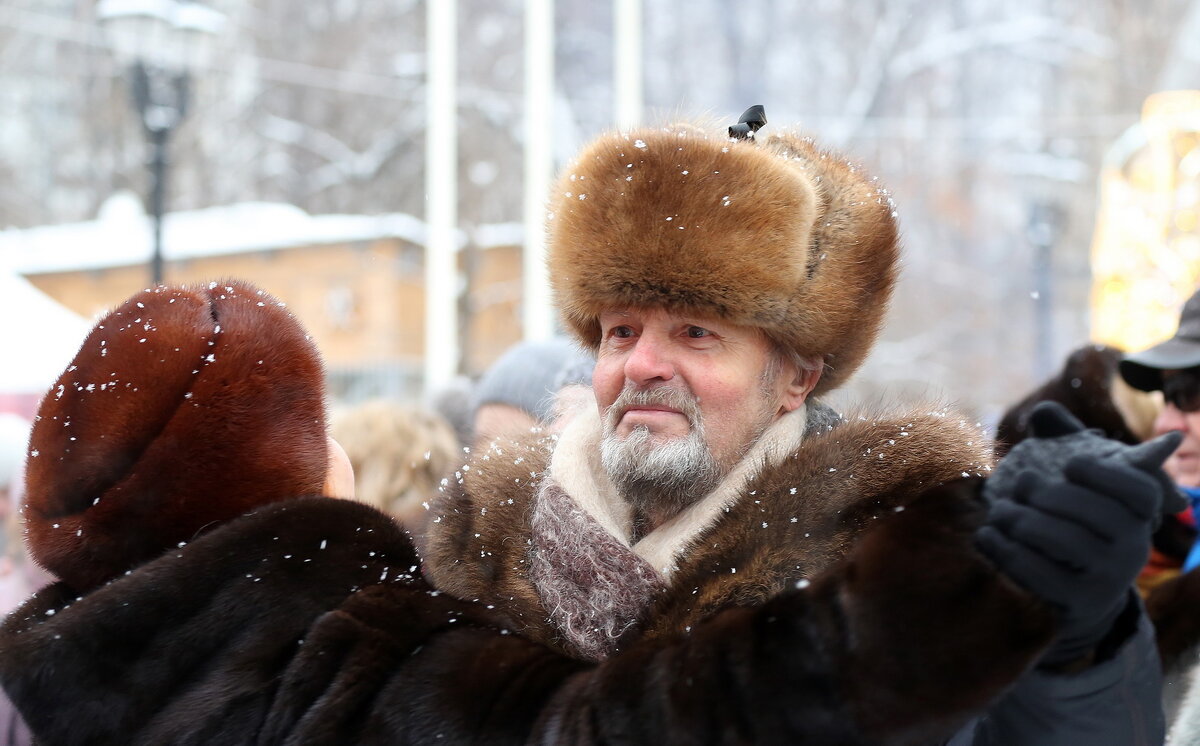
<point>162,42</point>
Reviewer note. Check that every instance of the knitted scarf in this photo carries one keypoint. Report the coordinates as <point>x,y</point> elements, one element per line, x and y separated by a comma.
<point>594,585</point>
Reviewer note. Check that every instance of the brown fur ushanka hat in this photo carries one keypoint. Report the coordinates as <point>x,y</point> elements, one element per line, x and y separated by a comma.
<point>773,233</point>
<point>185,407</point>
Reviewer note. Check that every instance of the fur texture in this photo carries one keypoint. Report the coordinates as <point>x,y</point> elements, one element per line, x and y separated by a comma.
<point>1089,387</point>
<point>176,653</point>
<point>581,475</point>
<point>1185,728</point>
<point>792,519</point>
<point>773,233</point>
<point>837,557</point>
<point>175,387</point>
<point>306,622</point>
<point>1172,606</point>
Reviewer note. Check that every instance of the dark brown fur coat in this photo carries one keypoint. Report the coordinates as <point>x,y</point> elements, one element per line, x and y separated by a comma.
<point>796,518</point>
<point>306,623</point>
<point>910,602</point>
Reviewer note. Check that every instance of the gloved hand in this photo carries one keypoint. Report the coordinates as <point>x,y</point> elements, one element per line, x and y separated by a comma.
<point>1056,435</point>
<point>1070,520</point>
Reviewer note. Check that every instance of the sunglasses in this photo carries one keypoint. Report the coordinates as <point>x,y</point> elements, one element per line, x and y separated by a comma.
<point>1182,390</point>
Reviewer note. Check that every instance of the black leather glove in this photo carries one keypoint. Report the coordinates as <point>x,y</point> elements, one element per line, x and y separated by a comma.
<point>1073,524</point>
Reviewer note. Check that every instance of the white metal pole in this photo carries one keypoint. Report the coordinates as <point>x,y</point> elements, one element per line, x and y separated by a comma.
<point>441,195</point>
<point>627,62</point>
<point>537,314</point>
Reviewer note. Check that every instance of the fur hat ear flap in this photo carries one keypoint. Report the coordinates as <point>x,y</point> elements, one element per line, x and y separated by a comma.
<point>185,407</point>
<point>773,233</point>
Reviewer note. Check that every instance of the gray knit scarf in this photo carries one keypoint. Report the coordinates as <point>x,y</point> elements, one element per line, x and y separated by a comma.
<point>593,586</point>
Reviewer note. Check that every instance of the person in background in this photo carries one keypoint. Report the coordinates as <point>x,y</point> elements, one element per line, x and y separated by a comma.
<point>519,391</point>
<point>1090,387</point>
<point>1172,367</point>
<point>399,454</point>
<point>452,402</point>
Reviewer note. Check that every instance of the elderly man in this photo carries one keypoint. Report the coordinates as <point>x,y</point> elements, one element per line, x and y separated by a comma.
<point>704,554</point>
<point>723,286</point>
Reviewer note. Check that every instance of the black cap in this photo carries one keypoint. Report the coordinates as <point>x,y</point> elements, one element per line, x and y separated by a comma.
<point>1143,370</point>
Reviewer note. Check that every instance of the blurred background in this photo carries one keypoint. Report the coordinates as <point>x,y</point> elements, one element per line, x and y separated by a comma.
<point>380,165</point>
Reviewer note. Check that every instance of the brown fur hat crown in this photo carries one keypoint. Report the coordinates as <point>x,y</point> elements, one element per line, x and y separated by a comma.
<point>185,407</point>
<point>774,233</point>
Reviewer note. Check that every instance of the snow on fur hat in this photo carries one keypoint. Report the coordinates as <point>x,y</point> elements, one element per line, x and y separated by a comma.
<point>185,407</point>
<point>773,233</point>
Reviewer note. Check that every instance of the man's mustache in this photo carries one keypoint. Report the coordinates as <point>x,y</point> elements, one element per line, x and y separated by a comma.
<point>674,397</point>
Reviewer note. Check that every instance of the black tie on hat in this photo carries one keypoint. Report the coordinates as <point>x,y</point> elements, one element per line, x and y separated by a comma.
<point>752,120</point>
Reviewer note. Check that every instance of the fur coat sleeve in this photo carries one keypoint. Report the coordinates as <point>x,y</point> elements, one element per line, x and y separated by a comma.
<point>308,622</point>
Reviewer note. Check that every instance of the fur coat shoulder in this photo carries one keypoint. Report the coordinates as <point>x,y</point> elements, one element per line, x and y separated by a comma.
<point>306,621</point>
<point>783,521</point>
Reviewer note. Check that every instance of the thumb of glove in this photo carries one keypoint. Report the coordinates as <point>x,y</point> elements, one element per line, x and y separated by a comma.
<point>1149,457</point>
<point>1050,419</point>
<point>1151,454</point>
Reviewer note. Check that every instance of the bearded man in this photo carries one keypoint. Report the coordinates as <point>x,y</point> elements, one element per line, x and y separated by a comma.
<point>704,554</point>
<point>724,286</point>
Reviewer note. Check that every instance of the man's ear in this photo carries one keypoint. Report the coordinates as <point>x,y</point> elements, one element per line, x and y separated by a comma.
<point>801,386</point>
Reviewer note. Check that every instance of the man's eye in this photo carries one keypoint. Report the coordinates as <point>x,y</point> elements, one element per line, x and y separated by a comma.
<point>621,332</point>
<point>696,332</point>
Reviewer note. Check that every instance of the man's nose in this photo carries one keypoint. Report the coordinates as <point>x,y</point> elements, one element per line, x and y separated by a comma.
<point>1169,419</point>
<point>649,361</point>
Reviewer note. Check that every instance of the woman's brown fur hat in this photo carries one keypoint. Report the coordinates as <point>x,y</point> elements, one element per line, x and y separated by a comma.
<point>775,234</point>
<point>185,407</point>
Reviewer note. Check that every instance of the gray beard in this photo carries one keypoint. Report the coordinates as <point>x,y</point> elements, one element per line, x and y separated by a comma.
<point>658,479</point>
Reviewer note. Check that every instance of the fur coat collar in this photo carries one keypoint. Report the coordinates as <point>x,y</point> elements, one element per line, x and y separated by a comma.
<point>791,508</point>
<point>575,467</point>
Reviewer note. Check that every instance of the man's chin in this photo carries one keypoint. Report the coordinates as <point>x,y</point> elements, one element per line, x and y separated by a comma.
<point>659,472</point>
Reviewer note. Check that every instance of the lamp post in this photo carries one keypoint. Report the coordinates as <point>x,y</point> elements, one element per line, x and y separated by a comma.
<point>161,42</point>
<point>1045,227</point>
